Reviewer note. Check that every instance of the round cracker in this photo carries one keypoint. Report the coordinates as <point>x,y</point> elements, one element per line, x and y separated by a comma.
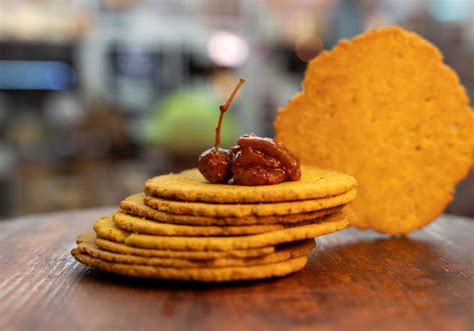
<point>112,246</point>
<point>196,274</point>
<point>106,228</point>
<point>248,209</point>
<point>135,224</point>
<point>285,253</point>
<point>385,109</point>
<point>134,205</point>
<point>190,185</point>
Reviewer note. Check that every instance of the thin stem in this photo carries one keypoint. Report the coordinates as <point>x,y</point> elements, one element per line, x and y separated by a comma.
<point>223,108</point>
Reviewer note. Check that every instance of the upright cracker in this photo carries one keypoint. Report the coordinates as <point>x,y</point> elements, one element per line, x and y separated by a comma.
<point>190,185</point>
<point>385,109</point>
<point>134,205</point>
<point>248,209</point>
<point>285,253</point>
<point>105,228</point>
<point>196,274</point>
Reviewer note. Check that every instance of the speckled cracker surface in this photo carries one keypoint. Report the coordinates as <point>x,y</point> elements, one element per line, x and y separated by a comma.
<point>134,205</point>
<point>105,228</point>
<point>196,274</point>
<point>112,246</point>
<point>387,110</point>
<point>248,209</point>
<point>290,251</point>
<point>190,185</point>
<point>139,225</point>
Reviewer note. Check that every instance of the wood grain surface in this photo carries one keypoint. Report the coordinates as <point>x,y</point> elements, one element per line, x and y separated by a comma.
<point>355,280</point>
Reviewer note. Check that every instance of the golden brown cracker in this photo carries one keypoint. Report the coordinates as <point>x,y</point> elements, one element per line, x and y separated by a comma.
<point>135,224</point>
<point>190,185</point>
<point>105,228</point>
<point>248,209</point>
<point>134,205</point>
<point>196,274</point>
<point>285,253</point>
<point>112,246</point>
<point>387,110</point>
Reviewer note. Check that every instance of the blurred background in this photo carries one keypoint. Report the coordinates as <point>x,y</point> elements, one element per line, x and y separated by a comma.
<point>97,96</point>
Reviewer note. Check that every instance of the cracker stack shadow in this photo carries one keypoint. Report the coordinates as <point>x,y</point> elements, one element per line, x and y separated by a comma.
<point>183,228</point>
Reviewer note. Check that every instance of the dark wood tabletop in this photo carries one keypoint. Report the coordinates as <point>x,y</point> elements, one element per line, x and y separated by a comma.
<point>355,280</point>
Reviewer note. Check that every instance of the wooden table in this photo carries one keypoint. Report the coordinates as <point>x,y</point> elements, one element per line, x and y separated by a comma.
<point>354,281</point>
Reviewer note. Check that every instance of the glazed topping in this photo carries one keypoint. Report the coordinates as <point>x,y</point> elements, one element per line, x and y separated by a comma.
<point>263,161</point>
<point>215,163</point>
<point>253,161</point>
<point>215,166</point>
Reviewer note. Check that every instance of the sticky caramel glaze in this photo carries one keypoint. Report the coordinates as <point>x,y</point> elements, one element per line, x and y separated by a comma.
<point>214,165</point>
<point>263,161</point>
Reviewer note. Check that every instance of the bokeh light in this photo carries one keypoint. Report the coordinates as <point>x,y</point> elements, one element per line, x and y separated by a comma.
<point>308,46</point>
<point>227,49</point>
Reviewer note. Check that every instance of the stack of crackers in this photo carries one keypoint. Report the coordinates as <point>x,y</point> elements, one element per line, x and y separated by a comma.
<point>184,228</point>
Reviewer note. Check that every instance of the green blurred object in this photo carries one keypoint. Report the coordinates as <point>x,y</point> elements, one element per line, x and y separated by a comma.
<point>184,122</point>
